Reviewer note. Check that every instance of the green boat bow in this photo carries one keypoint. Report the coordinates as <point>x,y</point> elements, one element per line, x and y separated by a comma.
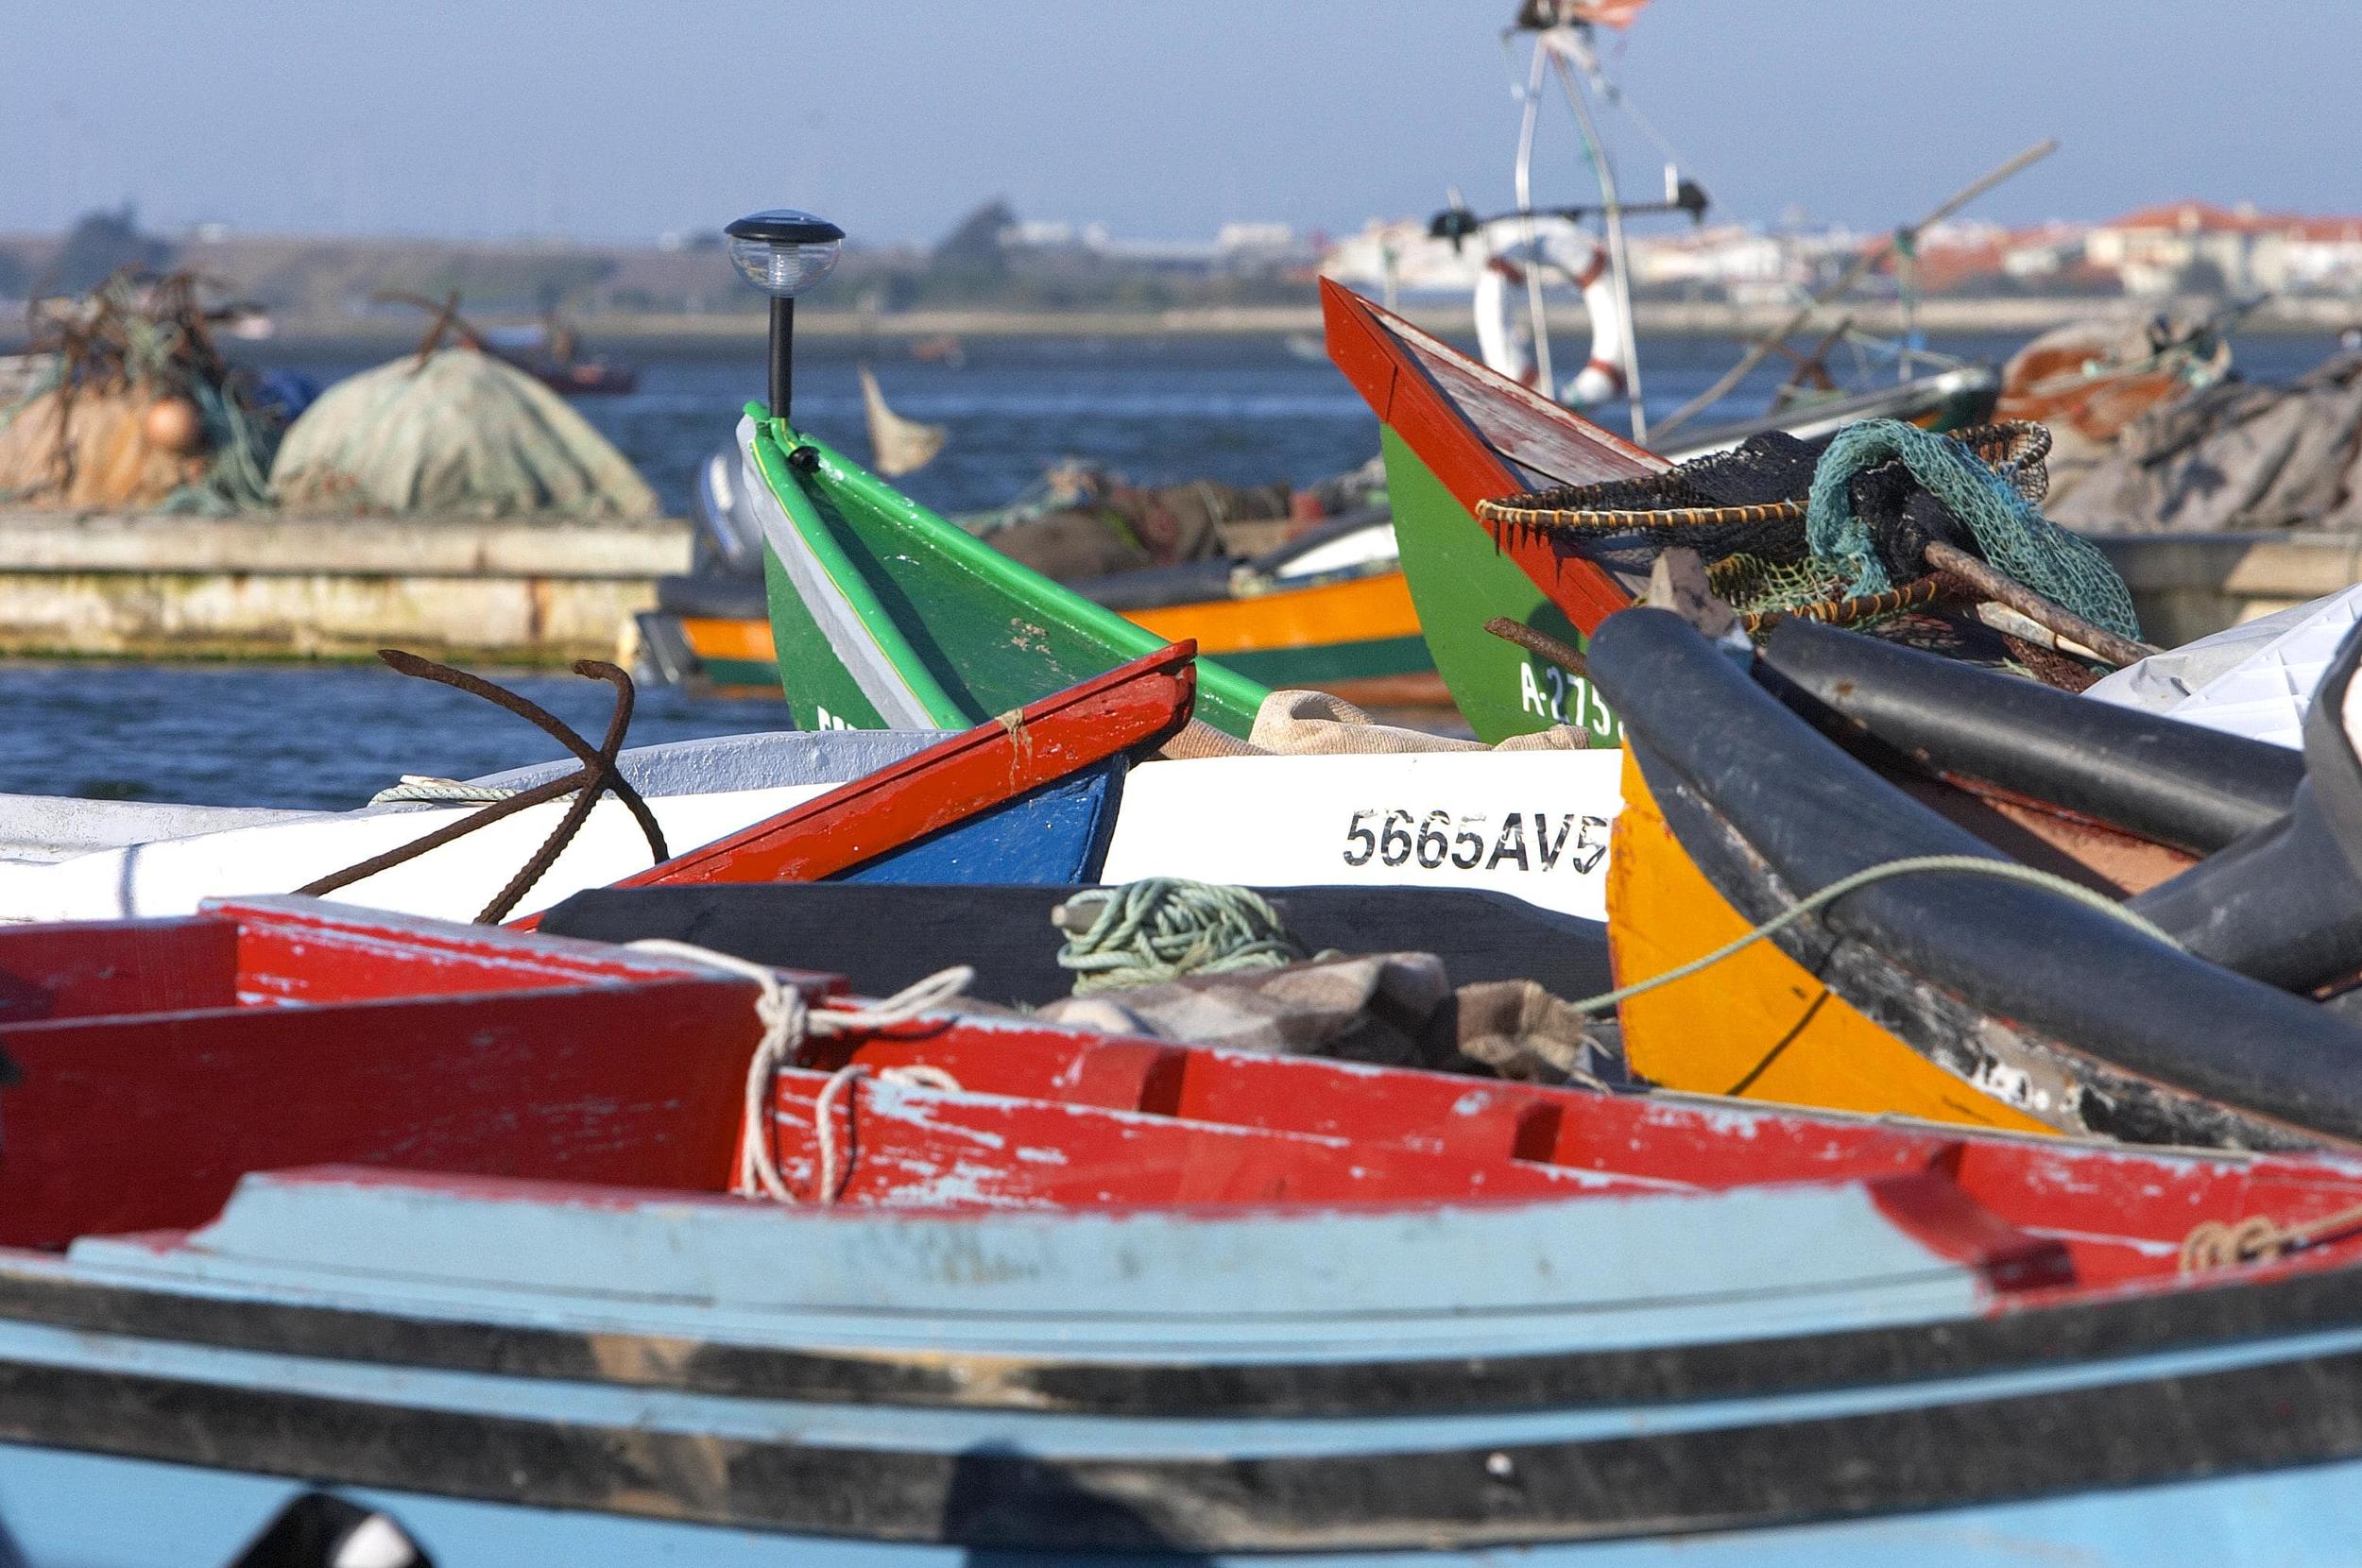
<point>885,616</point>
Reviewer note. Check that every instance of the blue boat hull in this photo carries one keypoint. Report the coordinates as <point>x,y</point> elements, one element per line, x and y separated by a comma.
<point>1778,1376</point>
<point>1053,834</point>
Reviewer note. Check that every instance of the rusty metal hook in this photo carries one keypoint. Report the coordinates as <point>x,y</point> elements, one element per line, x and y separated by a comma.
<point>597,775</point>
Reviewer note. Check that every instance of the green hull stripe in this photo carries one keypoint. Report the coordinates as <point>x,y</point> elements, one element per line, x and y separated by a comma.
<point>738,672</point>
<point>1334,661</point>
<point>1459,580</point>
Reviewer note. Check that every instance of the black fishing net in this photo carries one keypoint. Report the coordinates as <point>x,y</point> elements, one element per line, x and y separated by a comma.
<point>1744,511</point>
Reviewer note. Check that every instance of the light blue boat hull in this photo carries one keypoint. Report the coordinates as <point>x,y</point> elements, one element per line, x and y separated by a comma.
<point>93,1511</point>
<point>516,1375</point>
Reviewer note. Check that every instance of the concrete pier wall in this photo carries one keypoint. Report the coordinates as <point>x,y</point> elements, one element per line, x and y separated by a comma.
<point>2185,585</point>
<point>149,586</point>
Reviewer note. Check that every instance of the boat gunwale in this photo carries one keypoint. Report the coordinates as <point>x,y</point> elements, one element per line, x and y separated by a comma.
<point>2044,1327</point>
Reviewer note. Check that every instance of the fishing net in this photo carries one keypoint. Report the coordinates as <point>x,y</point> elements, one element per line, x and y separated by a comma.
<point>1839,529</point>
<point>453,431</point>
<point>124,402</point>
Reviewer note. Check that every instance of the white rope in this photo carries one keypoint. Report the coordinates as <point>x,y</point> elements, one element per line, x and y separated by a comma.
<point>786,1023</point>
<point>829,1184</point>
<point>419,788</point>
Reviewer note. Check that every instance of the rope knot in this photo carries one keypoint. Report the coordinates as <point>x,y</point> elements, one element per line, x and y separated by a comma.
<point>787,1022</point>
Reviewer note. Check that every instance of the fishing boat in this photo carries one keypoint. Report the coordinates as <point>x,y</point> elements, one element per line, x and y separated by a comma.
<point>1065,789</point>
<point>530,1264</point>
<point>1480,468</point>
<point>1454,433</point>
<point>1326,609</point>
<point>2176,975</point>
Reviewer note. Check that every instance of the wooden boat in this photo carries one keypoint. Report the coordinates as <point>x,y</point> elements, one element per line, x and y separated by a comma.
<point>481,1280</point>
<point>1285,619</point>
<point>1028,799</point>
<point>1455,434</point>
<point>1326,609</point>
<point>1062,790</point>
<point>885,616</point>
<point>1962,997</point>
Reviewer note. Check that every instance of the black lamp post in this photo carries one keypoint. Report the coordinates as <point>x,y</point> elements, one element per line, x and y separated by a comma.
<point>783,252</point>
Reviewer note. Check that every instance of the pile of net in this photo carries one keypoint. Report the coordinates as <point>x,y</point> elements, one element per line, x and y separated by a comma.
<point>453,431</point>
<point>2235,456</point>
<point>123,401</point>
<point>2087,381</point>
<point>1882,527</point>
<point>1080,521</point>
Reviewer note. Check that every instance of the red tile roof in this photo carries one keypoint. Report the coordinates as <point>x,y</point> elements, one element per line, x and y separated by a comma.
<point>2193,217</point>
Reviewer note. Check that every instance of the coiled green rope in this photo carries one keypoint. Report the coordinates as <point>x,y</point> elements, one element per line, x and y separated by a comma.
<point>1162,927</point>
<point>1973,865</point>
<point>2010,532</point>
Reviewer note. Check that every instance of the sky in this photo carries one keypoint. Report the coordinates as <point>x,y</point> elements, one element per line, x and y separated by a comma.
<point>1161,118</point>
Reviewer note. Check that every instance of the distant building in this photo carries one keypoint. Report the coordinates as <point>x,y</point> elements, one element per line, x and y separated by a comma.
<point>2310,256</point>
<point>1401,256</point>
<point>2179,245</point>
<point>1236,247</point>
<point>2046,252</point>
<point>1738,262</point>
<point>2184,244</point>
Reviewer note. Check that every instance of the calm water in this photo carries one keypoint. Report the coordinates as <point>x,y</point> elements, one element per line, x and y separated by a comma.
<point>1246,412</point>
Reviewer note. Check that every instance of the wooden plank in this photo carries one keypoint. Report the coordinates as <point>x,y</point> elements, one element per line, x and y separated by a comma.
<point>973,1151</point>
<point>312,951</point>
<point>72,969</point>
<point>140,1122</point>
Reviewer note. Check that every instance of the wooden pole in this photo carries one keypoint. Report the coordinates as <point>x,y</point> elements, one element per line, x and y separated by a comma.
<point>2052,617</point>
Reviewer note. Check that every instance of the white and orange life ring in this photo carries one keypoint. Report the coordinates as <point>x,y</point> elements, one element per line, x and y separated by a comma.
<point>1505,338</point>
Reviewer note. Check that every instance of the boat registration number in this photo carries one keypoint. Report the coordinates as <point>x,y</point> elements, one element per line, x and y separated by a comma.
<point>1539,840</point>
<point>1549,693</point>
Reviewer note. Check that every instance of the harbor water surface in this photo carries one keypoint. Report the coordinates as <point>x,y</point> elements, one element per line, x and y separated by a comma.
<point>1155,410</point>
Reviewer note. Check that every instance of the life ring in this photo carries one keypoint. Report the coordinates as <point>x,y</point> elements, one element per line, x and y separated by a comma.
<point>1504,339</point>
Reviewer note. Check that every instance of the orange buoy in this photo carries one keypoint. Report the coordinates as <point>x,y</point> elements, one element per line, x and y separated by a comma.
<point>174,425</point>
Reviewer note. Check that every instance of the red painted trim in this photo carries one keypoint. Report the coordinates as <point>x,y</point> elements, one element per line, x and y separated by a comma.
<point>1934,1210</point>
<point>1372,347</point>
<point>296,949</point>
<point>1138,705</point>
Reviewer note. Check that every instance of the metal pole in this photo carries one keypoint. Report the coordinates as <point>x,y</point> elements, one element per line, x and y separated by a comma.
<point>1617,257</point>
<point>783,354</point>
<point>1548,387</point>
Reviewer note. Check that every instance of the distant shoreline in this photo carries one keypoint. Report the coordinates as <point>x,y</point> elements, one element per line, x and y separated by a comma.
<point>2021,317</point>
